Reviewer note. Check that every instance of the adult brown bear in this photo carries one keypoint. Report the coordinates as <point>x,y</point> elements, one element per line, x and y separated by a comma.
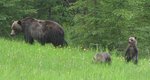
<point>44,31</point>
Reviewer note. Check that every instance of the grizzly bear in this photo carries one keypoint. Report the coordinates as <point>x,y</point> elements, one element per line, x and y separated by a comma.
<point>44,31</point>
<point>102,57</point>
<point>132,51</point>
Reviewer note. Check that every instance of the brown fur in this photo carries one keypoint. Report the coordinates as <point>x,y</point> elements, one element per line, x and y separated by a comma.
<point>102,57</point>
<point>44,31</point>
<point>132,51</point>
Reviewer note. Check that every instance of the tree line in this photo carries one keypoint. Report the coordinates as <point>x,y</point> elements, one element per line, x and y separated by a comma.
<point>106,23</point>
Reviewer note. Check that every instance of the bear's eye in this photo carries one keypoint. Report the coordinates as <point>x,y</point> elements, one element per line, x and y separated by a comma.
<point>15,29</point>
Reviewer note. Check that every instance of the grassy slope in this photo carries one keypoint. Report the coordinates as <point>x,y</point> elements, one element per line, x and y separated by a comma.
<point>20,61</point>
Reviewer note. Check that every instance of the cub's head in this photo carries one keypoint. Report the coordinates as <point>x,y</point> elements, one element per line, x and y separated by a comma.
<point>132,41</point>
<point>15,28</point>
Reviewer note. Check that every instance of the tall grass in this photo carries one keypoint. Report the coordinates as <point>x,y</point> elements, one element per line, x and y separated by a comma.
<point>21,61</point>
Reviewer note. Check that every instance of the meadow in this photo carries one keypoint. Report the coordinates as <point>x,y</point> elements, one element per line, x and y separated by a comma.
<point>21,61</point>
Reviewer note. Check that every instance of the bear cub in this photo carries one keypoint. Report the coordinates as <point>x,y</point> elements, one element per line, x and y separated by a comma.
<point>102,57</point>
<point>132,51</point>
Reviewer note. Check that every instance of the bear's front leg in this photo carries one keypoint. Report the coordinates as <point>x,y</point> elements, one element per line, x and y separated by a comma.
<point>127,55</point>
<point>42,41</point>
<point>28,39</point>
<point>128,58</point>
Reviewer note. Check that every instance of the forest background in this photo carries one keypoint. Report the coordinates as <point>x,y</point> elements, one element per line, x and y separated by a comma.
<point>87,23</point>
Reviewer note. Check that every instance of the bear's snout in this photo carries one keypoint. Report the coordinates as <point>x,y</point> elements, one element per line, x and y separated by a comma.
<point>12,33</point>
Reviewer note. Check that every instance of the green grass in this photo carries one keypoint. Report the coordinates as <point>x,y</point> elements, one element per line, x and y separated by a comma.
<point>21,61</point>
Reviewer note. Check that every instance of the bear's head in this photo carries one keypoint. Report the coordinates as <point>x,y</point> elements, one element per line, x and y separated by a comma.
<point>16,28</point>
<point>132,41</point>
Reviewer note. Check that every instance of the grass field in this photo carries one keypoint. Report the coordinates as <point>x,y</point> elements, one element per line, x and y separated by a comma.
<point>21,61</point>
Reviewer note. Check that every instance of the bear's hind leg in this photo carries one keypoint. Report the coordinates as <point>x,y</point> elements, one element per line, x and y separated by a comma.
<point>55,44</point>
<point>65,43</point>
<point>31,40</point>
<point>135,59</point>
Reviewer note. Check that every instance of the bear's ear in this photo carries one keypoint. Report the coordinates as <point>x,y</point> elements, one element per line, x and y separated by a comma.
<point>135,37</point>
<point>19,22</point>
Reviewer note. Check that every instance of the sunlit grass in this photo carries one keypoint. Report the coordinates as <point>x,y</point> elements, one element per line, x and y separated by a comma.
<point>21,61</point>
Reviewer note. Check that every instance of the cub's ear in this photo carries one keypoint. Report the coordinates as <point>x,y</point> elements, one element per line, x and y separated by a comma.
<point>19,22</point>
<point>135,37</point>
